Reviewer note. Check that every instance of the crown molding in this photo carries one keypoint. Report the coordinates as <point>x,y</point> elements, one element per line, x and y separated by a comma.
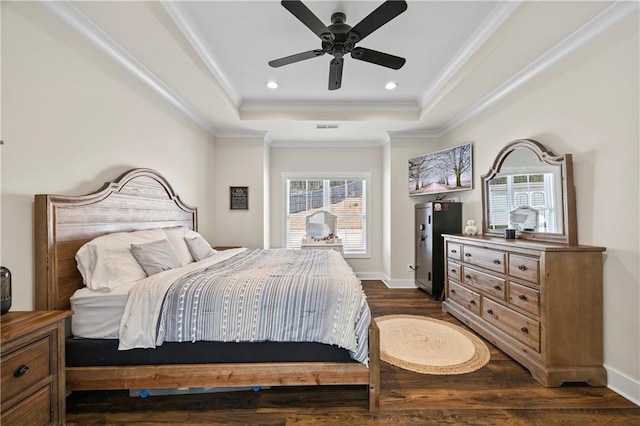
<point>610,16</point>
<point>184,24</point>
<point>496,18</point>
<point>73,17</point>
<point>416,134</point>
<point>243,134</point>
<point>328,144</point>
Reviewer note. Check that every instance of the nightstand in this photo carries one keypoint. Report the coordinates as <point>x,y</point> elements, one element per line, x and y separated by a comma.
<point>33,367</point>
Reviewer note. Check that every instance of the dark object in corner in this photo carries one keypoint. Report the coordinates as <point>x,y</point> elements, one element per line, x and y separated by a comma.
<point>5,290</point>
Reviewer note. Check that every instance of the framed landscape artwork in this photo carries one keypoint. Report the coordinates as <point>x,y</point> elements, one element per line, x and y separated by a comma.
<point>441,171</point>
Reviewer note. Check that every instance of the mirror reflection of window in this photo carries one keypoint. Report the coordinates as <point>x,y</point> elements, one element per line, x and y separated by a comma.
<point>507,193</point>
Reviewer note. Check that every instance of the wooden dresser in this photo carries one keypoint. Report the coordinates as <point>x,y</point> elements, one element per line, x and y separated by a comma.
<point>33,378</point>
<point>540,303</point>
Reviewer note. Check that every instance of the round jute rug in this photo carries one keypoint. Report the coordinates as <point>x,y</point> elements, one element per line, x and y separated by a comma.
<point>430,346</point>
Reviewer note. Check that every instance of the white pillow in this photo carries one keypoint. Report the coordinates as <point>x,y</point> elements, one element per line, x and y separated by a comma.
<point>106,261</point>
<point>176,236</point>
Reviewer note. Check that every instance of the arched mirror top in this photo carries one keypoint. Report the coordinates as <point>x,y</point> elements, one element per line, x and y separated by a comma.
<point>530,189</point>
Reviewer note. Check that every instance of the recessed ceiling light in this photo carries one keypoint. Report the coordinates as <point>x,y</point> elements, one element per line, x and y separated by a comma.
<point>391,85</point>
<point>272,85</point>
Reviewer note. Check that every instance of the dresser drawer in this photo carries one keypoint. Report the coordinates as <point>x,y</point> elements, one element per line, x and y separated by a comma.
<point>454,251</point>
<point>516,325</point>
<point>465,297</point>
<point>34,410</point>
<point>454,271</point>
<point>490,259</point>
<point>487,283</point>
<point>524,297</point>
<point>24,367</point>
<point>526,268</point>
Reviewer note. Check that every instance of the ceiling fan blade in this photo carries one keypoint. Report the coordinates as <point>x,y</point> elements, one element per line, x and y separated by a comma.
<point>296,58</point>
<point>306,16</point>
<point>378,58</point>
<point>383,14</point>
<point>335,73</point>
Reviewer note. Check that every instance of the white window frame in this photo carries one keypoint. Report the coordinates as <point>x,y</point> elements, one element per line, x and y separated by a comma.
<point>365,176</point>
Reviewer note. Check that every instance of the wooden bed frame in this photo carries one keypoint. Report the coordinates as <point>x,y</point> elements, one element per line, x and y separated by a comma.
<point>143,199</point>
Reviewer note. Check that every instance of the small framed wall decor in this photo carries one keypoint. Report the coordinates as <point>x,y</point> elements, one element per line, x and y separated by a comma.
<point>239,197</point>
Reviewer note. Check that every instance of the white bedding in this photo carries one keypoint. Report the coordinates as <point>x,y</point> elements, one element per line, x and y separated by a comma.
<point>98,314</point>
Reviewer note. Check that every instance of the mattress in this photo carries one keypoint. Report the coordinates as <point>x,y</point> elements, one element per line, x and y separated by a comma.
<point>97,314</point>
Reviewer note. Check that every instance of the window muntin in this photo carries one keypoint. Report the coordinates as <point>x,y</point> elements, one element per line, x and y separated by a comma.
<point>343,196</point>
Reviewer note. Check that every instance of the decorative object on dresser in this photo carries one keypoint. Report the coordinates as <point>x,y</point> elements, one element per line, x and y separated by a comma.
<point>537,297</point>
<point>433,219</point>
<point>33,380</point>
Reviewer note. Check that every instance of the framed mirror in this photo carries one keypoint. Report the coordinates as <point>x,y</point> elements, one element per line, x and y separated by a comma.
<point>531,190</point>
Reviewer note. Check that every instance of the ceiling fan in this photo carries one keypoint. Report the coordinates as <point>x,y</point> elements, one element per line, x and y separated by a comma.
<point>339,39</point>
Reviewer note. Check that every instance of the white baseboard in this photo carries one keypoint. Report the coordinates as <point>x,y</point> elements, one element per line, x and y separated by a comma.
<point>623,385</point>
<point>386,280</point>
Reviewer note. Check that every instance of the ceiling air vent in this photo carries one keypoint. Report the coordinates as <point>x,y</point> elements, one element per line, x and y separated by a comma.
<point>326,126</point>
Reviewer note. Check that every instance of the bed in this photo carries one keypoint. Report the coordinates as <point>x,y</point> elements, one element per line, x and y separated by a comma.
<point>138,200</point>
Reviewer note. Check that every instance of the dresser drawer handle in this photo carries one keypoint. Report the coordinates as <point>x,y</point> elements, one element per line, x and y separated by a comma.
<point>473,302</point>
<point>522,297</point>
<point>21,371</point>
<point>454,251</point>
<point>525,330</point>
<point>468,277</point>
<point>490,311</point>
<point>453,271</point>
<point>452,291</point>
<point>468,254</point>
<point>522,268</point>
<point>497,287</point>
<point>497,261</point>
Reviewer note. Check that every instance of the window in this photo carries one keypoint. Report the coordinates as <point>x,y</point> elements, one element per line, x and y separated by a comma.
<point>342,195</point>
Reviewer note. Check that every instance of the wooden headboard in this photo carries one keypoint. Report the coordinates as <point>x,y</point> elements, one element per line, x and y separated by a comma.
<point>138,199</point>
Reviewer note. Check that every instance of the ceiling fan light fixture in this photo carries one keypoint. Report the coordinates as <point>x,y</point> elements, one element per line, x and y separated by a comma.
<point>272,84</point>
<point>391,85</point>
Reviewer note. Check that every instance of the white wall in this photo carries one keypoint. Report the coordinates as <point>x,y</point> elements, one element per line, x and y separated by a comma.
<point>240,162</point>
<point>73,119</point>
<point>401,208</point>
<point>331,160</point>
<point>587,105</point>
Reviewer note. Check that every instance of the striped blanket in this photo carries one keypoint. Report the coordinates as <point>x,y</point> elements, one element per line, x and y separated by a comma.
<point>270,295</point>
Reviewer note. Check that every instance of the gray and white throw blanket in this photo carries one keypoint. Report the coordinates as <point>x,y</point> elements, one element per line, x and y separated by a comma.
<point>270,295</point>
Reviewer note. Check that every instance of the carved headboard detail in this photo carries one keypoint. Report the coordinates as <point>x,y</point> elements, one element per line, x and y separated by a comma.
<point>138,199</point>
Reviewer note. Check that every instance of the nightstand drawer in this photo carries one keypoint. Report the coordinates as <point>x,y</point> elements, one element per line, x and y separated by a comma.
<point>34,410</point>
<point>24,367</point>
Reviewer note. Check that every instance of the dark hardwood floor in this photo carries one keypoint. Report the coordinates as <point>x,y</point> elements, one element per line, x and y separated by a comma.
<point>502,392</point>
